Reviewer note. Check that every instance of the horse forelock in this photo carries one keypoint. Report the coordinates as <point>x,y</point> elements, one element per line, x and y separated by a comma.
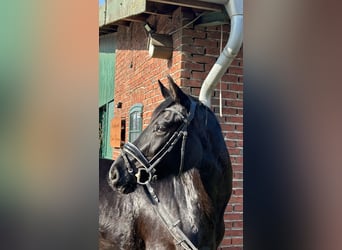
<point>168,102</point>
<point>165,104</point>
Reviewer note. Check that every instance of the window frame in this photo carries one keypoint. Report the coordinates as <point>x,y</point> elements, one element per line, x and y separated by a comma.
<point>136,109</point>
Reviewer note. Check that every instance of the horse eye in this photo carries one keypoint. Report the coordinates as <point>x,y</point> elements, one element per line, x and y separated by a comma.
<point>158,128</point>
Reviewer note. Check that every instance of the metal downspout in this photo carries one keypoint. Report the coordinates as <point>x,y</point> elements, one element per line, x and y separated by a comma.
<point>235,12</point>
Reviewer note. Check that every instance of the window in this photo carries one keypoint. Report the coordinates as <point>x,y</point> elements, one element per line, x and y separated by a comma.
<point>135,121</point>
<point>106,114</point>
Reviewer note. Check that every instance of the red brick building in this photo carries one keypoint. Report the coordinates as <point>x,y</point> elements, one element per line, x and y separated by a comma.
<point>195,49</point>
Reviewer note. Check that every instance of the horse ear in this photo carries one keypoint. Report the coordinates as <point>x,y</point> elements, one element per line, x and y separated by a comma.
<point>177,94</point>
<point>165,92</point>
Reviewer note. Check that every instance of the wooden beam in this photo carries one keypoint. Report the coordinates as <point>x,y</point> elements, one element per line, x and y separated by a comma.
<point>152,10</point>
<point>118,10</point>
<point>191,4</point>
<point>213,19</point>
<point>108,29</point>
<point>136,18</point>
<point>159,9</point>
<point>122,23</point>
<point>156,13</point>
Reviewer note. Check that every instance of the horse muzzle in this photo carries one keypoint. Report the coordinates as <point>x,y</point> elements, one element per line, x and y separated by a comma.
<point>121,182</point>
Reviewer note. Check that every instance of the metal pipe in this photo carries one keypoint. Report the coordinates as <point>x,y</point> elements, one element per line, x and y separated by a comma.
<point>235,12</point>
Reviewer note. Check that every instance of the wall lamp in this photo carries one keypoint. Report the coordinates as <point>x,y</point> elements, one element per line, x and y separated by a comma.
<point>159,45</point>
<point>148,28</point>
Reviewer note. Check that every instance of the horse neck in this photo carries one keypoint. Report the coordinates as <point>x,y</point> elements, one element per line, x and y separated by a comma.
<point>215,166</point>
<point>214,152</point>
<point>186,191</point>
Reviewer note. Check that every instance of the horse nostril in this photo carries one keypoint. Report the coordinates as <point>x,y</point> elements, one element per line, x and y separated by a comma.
<point>114,176</point>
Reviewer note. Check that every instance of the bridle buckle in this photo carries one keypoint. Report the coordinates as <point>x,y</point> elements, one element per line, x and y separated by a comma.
<point>143,176</point>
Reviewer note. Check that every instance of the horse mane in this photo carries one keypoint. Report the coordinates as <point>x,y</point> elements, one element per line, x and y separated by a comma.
<point>212,142</point>
<point>162,106</point>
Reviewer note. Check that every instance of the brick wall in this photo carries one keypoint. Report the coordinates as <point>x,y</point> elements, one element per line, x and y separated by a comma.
<point>195,51</point>
<point>137,74</point>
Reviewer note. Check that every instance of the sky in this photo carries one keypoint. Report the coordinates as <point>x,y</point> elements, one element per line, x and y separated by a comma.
<point>101,2</point>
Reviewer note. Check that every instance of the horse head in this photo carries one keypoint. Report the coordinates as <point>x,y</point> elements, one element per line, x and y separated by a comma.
<point>167,147</point>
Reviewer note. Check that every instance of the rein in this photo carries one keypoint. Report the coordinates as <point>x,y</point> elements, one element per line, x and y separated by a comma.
<point>148,169</point>
<point>171,224</point>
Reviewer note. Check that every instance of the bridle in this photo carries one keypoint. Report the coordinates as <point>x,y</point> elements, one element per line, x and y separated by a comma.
<point>145,173</point>
<point>148,170</point>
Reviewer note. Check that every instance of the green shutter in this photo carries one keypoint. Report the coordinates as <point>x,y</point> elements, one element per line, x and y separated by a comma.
<point>106,69</point>
<point>106,92</point>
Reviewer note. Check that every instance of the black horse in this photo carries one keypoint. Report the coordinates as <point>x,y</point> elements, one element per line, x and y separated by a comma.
<point>169,189</point>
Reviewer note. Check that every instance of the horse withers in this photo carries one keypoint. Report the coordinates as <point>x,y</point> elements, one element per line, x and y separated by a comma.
<point>170,187</point>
